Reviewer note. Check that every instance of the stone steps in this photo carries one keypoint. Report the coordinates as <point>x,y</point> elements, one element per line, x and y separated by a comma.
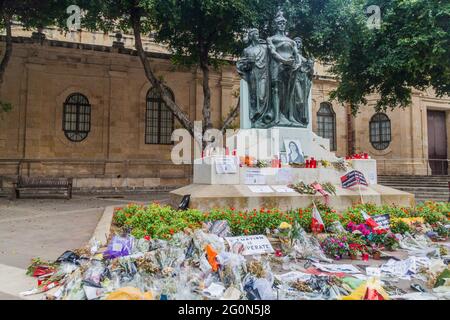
<point>425,188</point>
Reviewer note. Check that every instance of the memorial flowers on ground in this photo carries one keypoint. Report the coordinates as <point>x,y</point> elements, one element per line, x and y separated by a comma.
<point>159,222</point>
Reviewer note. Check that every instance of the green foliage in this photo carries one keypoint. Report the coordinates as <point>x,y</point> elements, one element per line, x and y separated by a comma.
<point>399,226</point>
<point>196,30</point>
<point>34,13</point>
<point>5,107</point>
<point>163,222</point>
<point>410,50</point>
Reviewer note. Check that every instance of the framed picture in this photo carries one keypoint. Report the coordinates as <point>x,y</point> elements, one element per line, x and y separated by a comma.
<point>283,158</point>
<point>294,151</point>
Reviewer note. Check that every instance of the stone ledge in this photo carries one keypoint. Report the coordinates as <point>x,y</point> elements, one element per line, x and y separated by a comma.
<point>207,197</point>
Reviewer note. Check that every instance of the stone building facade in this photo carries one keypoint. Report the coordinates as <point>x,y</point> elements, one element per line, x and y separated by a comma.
<point>115,152</point>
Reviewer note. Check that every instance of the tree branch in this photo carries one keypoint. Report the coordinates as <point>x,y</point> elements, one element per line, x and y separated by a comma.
<point>8,49</point>
<point>232,116</point>
<point>160,87</point>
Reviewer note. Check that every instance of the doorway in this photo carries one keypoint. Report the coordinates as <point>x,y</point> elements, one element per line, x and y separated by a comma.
<point>437,142</point>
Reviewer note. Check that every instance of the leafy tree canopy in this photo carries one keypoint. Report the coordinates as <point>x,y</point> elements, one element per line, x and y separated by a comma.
<point>410,49</point>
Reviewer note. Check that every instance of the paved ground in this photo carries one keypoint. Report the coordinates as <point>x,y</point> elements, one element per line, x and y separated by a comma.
<point>31,228</point>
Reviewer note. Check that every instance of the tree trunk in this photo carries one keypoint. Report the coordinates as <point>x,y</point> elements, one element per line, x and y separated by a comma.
<point>165,94</point>
<point>8,50</point>
<point>207,124</point>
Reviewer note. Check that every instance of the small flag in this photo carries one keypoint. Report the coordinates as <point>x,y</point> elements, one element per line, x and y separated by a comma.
<point>352,179</point>
<point>369,220</point>
<point>317,224</point>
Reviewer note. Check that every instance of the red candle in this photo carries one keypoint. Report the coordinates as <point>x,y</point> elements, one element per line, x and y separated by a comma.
<point>227,151</point>
<point>307,163</point>
<point>234,152</point>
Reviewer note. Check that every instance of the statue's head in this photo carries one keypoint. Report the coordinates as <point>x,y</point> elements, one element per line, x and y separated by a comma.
<point>299,42</point>
<point>253,34</point>
<point>280,21</point>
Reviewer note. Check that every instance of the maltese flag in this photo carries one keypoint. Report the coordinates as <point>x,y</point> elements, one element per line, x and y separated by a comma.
<point>317,224</point>
<point>369,221</point>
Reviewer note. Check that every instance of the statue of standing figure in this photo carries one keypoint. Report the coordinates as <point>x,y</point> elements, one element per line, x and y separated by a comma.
<point>253,67</point>
<point>279,78</point>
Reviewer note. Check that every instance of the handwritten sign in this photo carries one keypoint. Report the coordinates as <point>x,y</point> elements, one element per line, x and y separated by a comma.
<point>226,165</point>
<point>254,177</point>
<point>254,245</point>
<point>384,221</point>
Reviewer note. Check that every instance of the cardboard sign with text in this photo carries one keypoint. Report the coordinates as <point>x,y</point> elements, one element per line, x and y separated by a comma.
<point>254,245</point>
<point>384,221</point>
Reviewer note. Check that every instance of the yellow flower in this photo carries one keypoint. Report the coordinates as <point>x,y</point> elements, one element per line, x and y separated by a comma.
<point>285,225</point>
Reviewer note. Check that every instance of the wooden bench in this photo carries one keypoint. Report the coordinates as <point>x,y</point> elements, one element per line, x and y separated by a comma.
<point>47,185</point>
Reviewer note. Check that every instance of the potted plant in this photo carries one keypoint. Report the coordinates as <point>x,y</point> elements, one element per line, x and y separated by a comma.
<point>354,250</point>
<point>335,246</point>
<point>376,252</point>
<point>356,246</point>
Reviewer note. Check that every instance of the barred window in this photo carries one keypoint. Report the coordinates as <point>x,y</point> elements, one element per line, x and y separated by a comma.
<point>77,117</point>
<point>326,123</point>
<point>380,131</point>
<point>159,121</point>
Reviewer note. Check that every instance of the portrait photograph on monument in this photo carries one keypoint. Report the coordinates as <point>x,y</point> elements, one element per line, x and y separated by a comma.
<point>216,157</point>
<point>294,151</point>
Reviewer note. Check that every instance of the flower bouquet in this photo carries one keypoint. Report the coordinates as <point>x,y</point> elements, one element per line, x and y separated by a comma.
<point>375,251</point>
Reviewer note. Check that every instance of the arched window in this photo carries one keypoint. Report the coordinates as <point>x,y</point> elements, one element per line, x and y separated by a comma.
<point>159,120</point>
<point>77,117</point>
<point>326,124</point>
<point>380,131</point>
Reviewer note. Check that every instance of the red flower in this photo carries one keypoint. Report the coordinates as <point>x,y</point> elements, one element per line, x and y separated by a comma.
<point>147,238</point>
<point>171,231</point>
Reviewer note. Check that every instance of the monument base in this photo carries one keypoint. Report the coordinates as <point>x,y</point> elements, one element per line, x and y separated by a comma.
<point>241,197</point>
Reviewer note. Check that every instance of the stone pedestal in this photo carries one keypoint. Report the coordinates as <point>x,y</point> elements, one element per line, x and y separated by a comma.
<point>240,197</point>
<point>205,172</point>
<point>265,144</point>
